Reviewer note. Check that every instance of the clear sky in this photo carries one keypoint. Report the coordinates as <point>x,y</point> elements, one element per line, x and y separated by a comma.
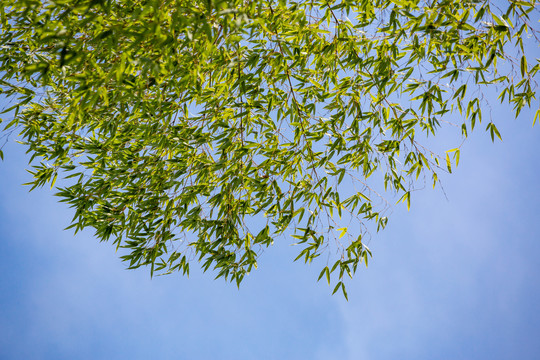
<point>454,278</point>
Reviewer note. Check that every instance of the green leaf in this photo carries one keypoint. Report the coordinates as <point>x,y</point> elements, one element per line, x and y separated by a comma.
<point>344,292</point>
<point>493,131</point>
<point>523,66</point>
<point>337,287</point>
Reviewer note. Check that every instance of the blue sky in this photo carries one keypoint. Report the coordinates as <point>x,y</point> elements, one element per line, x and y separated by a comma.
<point>450,279</point>
<point>454,278</point>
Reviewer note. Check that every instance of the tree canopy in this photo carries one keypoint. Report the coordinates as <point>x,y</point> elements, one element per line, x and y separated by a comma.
<point>191,130</point>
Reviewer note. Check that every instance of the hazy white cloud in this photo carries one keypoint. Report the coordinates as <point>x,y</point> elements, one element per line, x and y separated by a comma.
<point>457,277</point>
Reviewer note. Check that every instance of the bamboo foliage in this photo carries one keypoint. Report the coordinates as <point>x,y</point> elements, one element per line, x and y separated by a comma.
<point>206,130</point>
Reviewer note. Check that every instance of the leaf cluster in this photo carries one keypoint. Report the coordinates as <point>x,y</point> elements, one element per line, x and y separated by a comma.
<point>205,130</point>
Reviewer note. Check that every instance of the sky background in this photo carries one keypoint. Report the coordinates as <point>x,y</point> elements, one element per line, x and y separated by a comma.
<point>456,277</point>
<point>453,278</point>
